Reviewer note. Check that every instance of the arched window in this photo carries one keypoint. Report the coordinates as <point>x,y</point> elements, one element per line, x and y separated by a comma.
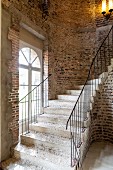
<point>29,72</point>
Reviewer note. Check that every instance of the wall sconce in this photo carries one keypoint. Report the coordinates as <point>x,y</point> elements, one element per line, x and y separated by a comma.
<point>44,6</point>
<point>104,6</point>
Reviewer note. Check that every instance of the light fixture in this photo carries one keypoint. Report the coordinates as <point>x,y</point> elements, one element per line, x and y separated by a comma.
<point>104,8</point>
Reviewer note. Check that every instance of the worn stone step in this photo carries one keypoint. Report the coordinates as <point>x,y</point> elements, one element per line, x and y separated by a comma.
<point>78,87</point>
<point>58,119</point>
<point>68,97</point>
<point>112,61</point>
<point>64,111</point>
<point>59,130</point>
<point>59,111</point>
<point>73,92</point>
<point>51,143</point>
<point>104,75</point>
<point>110,68</point>
<point>61,104</point>
<point>53,129</point>
<point>53,118</point>
<point>42,158</point>
<point>94,82</point>
<point>17,164</point>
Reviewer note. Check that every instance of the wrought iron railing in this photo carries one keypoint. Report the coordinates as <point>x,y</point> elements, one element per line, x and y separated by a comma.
<point>31,106</point>
<point>76,121</point>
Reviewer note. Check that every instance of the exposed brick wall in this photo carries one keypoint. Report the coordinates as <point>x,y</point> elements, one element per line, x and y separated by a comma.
<point>71,41</point>
<point>14,96</point>
<point>102,114</point>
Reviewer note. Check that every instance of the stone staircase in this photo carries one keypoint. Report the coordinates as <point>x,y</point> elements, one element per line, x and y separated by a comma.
<point>47,146</point>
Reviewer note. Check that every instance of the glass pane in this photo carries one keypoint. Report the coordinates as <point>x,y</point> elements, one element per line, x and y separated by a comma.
<point>35,78</point>
<point>26,52</point>
<point>23,83</point>
<point>23,91</point>
<point>23,76</point>
<point>23,110</point>
<point>35,59</point>
<point>36,95</point>
<point>36,63</point>
<point>22,59</point>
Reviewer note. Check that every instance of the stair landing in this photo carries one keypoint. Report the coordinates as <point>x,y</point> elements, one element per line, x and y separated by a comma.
<point>99,157</point>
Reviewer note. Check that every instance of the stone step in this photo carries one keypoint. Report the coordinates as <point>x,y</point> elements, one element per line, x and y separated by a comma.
<point>16,164</point>
<point>59,130</point>
<point>49,128</point>
<point>51,143</point>
<point>53,118</point>
<point>94,82</point>
<point>104,75</point>
<point>63,111</point>
<point>110,68</point>
<point>61,104</point>
<point>68,97</point>
<point>59,111</point>
<point>73,92</point>
<point>112,61</point>
<point>42,158</point>
<point>53,129</point>
<point>61,119</point>
<point>78,87</point>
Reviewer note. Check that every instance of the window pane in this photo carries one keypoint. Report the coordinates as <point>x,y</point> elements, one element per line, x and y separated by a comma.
<point>35,78</point>
<point>26,52</point>
<point>23,76</point>
<point>22,59</point>
<point>23,91</point>
<point>35,59</point>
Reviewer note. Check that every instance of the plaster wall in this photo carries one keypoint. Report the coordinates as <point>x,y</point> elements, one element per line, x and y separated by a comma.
<point>6,138</point>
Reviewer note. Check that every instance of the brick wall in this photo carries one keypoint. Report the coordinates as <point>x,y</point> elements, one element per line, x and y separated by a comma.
<point>14,95</point>
<point>102,114</point>
<point>71,41</point>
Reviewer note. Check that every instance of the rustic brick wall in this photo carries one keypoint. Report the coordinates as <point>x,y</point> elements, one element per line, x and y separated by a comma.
<point>14,95</point>
<point>71,41</point>
<point>102,115</point>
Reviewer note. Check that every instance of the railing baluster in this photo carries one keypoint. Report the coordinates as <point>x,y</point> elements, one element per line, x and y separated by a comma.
<point>31,107</point>
<point>36,104</point>
<point>22,119</point>
<point>25,117</point>
<point>98,66</point>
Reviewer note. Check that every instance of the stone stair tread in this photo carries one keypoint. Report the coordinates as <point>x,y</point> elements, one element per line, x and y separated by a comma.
<point>69,95</point>
<point>54,116</point>
<point>58,116</point>
<point>60,101</point>
<point>49,138</point>
<point>74,90</point>
<point>59,109</point>
<point>62,112</point>
<point>52,126</point>
<point>14,164</point>
<point>43,157</point>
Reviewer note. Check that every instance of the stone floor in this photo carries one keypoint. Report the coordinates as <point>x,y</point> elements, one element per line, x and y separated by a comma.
<point>99,157</point>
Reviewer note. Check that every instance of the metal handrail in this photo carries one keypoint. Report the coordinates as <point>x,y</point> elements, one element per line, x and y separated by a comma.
<point>88,76</point>
<point>30,106</point>
<point>35,88</point>
<point>79,112</point>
